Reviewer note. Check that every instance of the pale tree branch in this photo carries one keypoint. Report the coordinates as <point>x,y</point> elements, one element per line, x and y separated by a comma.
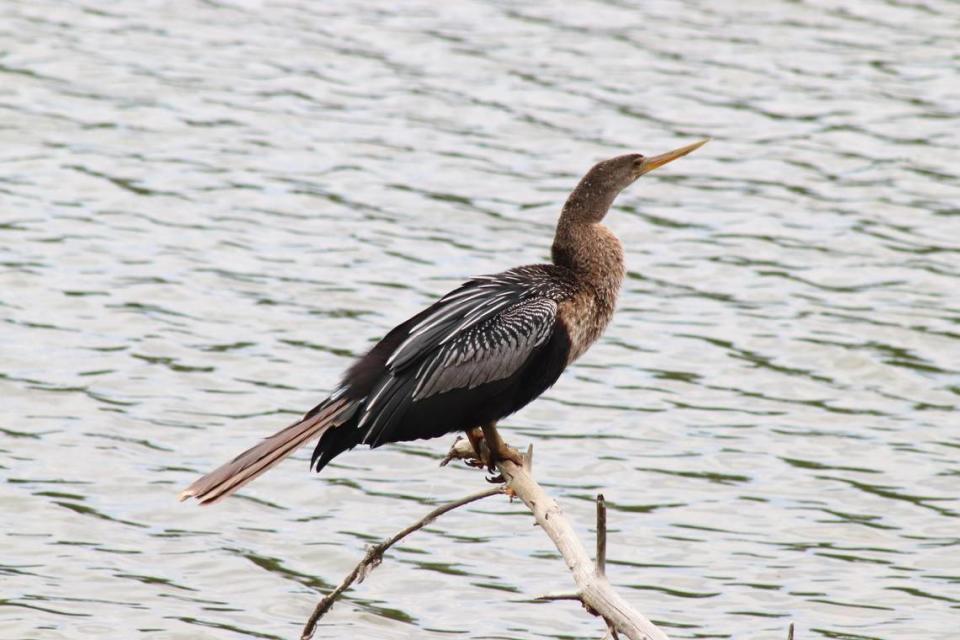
<point>374,556</point>
<point>611,633</point>
<point>593,589</point>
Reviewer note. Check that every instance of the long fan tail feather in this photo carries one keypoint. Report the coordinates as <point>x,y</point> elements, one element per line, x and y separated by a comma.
<point>227,478</point>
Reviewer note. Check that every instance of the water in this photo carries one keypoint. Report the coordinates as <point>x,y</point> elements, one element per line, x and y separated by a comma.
<point>209,208</point>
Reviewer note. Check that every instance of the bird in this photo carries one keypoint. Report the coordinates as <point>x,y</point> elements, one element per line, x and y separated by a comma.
<point>478,354</point>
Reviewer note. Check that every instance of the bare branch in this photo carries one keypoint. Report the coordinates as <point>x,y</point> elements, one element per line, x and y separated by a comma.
<point>593,588</point>
<point>601,535</point>
<point>374,556</point>
<point>461,449</point>
<point>594,591</point>
<point>560,595</point>
<point>452,453</point>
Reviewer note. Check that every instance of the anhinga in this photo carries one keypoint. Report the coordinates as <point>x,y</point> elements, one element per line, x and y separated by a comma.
<point>480,353</point>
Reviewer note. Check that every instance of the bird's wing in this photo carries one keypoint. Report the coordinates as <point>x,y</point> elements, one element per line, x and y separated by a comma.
<point>474,302</point>
<point>479,334</point>
<point>490,350</point>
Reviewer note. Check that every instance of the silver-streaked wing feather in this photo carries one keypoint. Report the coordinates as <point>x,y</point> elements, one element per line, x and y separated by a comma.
<point>476,301</point>
<point>489,351</point>
<point>480,333</point>
<point>492,350</point>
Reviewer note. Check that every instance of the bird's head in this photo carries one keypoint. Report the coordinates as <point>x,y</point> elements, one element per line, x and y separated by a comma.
<point>597,190</point>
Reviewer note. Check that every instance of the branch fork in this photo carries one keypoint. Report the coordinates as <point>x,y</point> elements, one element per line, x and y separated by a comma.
<point>594,590</point>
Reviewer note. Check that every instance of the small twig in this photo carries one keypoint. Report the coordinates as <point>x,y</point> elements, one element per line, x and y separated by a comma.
<point>790,632</point>
<point>601,535</point>
<point>374,556</point>
<point>461,449</point>
<point>452,454</point>
<point>560,595</point>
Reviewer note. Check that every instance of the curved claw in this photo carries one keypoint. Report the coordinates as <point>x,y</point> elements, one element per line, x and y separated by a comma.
<point>497,479</point>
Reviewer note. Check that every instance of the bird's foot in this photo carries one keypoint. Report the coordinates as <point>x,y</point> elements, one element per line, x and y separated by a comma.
<point>508,453</point>
<point>498,449</point>
<point>488,449</point>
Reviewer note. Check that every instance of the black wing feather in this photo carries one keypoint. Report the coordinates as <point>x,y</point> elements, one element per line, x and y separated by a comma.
<point>471,304</point>
<point>479,353</point>
<point>490,351</point>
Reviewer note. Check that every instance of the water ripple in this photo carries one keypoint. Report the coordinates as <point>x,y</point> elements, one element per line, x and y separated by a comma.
<point>209,211</point>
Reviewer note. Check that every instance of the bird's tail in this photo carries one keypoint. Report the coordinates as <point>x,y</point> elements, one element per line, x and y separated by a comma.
<point>229,477</point>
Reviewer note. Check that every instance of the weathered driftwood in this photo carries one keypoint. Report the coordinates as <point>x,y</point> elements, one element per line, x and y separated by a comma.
<point>594,591</point>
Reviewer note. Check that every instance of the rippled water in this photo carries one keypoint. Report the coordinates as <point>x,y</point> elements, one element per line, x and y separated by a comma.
<point>209,208</point>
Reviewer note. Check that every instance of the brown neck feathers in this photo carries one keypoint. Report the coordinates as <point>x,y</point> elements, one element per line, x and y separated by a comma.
<point>594,255</point>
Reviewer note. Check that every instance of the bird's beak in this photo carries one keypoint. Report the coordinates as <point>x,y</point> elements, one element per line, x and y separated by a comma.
<point>649,164</point>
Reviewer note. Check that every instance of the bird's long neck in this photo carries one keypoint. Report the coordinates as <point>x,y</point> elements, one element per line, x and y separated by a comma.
<point>583,245</point>
<point>593,254</point>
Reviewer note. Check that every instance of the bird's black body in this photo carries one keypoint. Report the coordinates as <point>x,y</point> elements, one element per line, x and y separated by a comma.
<point>480,353</point>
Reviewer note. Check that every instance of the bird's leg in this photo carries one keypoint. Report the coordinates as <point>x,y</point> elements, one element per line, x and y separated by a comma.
<point>475,436</point>
<point>498,448</point>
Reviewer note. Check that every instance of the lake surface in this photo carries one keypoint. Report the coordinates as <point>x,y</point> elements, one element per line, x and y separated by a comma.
<point>209,208</point>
